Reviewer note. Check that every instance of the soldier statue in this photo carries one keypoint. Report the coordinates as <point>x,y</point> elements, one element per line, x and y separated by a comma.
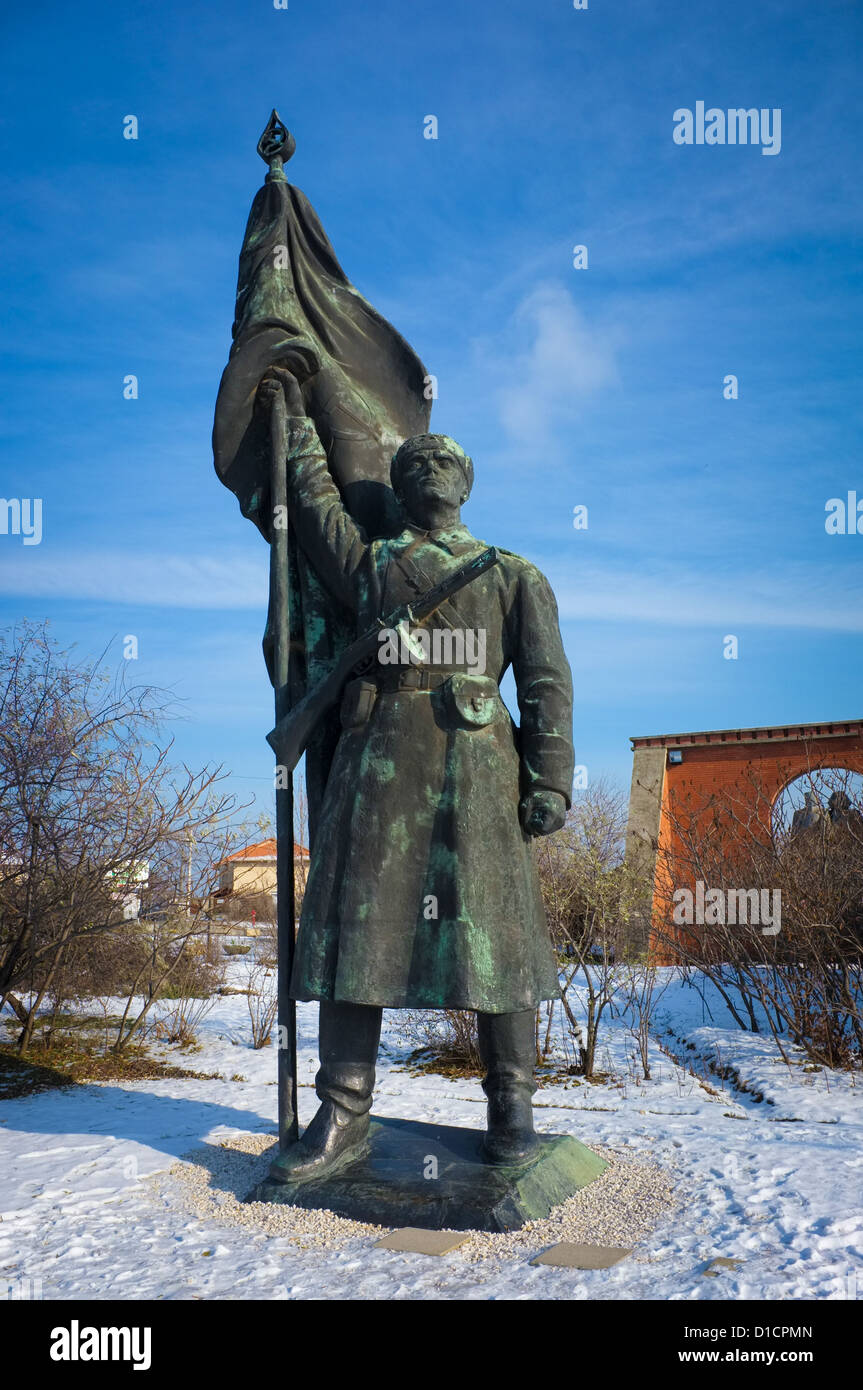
<point>423,891</point>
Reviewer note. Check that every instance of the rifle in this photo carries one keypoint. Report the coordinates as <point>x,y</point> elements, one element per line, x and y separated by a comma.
<point>292,732</point>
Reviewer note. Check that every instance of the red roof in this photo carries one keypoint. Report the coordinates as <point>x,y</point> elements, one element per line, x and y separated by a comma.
<point>265,850</point>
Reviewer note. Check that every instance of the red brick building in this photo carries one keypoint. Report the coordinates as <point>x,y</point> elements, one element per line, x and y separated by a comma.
<point>675,774</point>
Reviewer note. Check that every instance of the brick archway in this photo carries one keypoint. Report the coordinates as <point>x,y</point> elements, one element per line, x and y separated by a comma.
<point>754,766</point>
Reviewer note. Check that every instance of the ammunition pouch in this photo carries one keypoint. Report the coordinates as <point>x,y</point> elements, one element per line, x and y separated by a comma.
<point>358,702</point>
<point>471,702</point>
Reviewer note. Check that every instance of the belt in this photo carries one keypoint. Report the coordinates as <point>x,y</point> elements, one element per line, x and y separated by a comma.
<point>409,678</point>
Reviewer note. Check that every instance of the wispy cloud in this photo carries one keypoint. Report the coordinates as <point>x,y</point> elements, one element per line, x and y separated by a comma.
<point>617,590</point>
<point>682,595</point>
<point>561,361</point>
<point>163,581</point>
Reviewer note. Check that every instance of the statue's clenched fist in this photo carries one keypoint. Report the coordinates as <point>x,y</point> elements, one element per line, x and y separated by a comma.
<point>280,380</point>
<point>542,812</point>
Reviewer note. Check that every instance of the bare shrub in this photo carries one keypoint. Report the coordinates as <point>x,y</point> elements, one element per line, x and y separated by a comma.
<point>590,897</point>
<point>448,1034</point>
<point>262,1000</point>
<point>804,981</point>
<point>90,807</point>
<point>641,988</point>
<point>248,907</point>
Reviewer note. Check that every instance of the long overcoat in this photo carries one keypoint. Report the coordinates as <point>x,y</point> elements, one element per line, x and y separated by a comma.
<point>422,889</point>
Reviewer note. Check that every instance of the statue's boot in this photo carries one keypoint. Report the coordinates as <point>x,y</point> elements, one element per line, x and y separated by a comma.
<point>507,1045</point>
<point>338,1134</point>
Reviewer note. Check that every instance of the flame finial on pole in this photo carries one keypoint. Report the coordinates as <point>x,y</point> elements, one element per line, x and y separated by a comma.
<point>276,146</point>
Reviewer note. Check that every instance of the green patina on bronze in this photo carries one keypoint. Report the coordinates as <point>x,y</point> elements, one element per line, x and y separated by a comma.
<point>421,806</point>
<point>363,386</point>
<point>422,798</point>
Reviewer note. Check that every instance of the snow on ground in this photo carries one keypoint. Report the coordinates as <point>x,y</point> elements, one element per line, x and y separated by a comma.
<point>89,1208</point>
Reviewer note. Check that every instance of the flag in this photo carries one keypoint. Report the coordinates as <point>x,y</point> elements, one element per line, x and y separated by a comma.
<point>364,388</point>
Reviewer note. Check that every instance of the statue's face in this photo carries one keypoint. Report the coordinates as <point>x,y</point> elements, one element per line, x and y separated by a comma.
<point>431,479</point>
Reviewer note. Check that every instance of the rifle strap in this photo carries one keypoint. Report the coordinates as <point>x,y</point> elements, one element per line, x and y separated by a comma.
<point>420,582</point>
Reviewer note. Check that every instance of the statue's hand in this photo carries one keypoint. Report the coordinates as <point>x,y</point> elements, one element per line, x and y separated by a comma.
<point>542,812</point>
<point>280,380</point>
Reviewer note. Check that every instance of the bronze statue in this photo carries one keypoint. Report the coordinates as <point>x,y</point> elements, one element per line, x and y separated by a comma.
<point>423,890</point>
<point>423,795</point>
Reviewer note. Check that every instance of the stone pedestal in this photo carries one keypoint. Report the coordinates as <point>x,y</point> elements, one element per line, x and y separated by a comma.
<point>433,1176</point>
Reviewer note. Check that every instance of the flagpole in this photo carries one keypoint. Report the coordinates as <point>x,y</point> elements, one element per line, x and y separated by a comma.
<point>275,146</point>
<point>285,906</point>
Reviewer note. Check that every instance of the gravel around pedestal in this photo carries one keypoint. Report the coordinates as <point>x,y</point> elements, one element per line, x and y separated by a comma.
<point>620,1208</point>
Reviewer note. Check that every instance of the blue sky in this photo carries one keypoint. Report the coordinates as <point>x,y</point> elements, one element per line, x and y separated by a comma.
<point>600,387</point>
